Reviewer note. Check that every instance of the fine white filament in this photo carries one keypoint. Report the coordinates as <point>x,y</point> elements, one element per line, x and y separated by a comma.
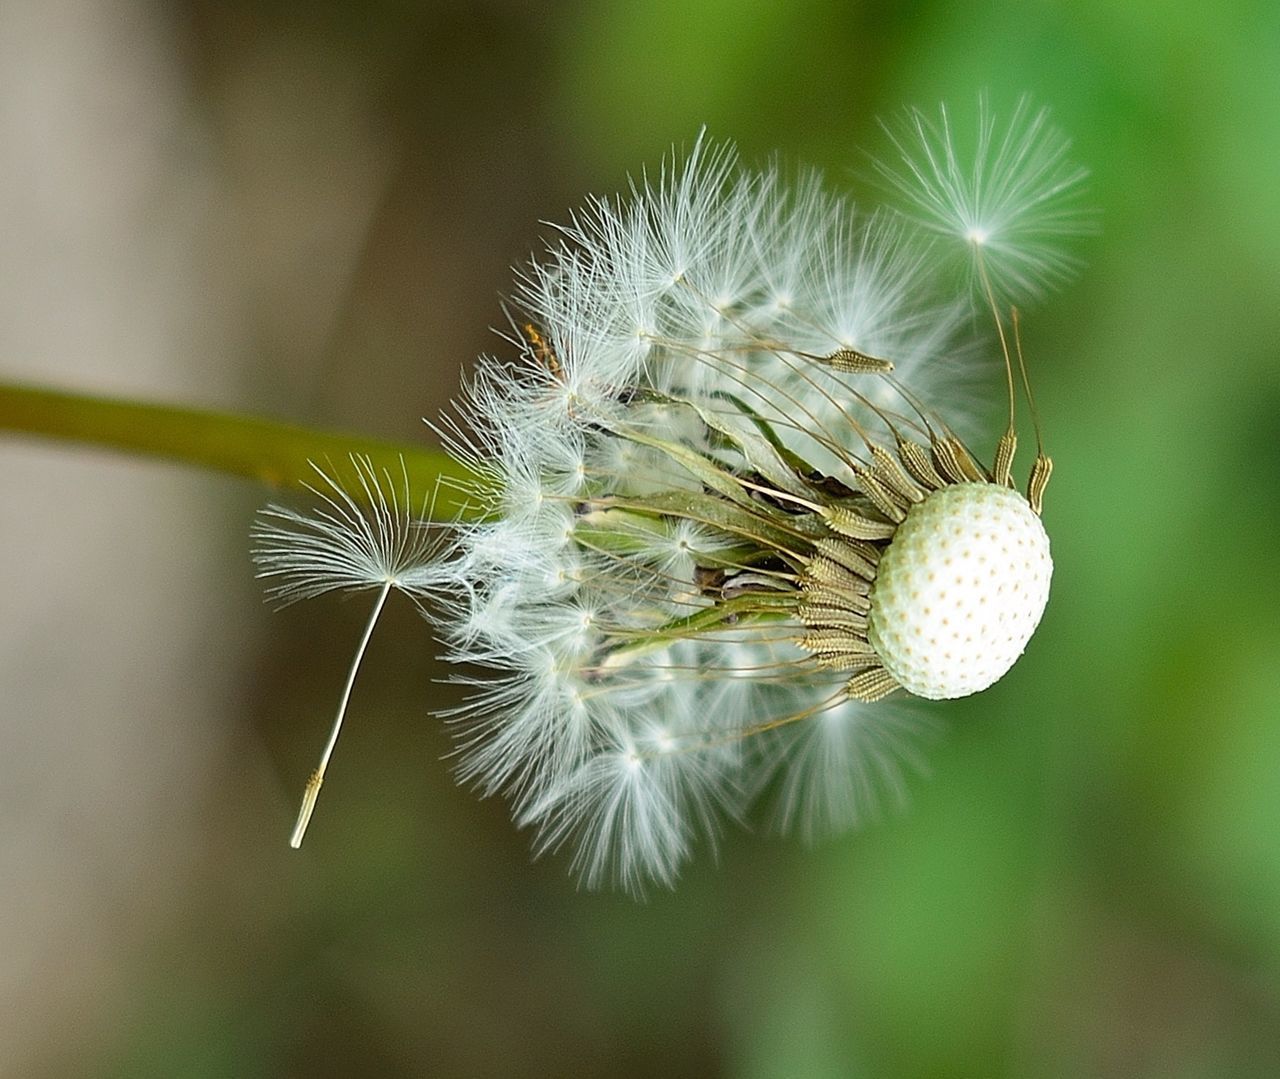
<point>312,791</point>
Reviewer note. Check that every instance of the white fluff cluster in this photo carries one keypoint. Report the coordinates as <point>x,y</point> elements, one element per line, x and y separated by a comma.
<point>700,343</point>
<point>711,284</point>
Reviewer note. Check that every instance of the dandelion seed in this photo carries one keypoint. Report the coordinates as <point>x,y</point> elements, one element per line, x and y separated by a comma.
<point>348,545</point>
<point>721,523</point>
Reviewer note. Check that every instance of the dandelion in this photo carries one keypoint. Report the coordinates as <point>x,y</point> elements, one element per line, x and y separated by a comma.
<point>723,539</point>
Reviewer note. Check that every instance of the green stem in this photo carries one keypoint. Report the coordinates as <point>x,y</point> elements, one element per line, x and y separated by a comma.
<point>276,454</point>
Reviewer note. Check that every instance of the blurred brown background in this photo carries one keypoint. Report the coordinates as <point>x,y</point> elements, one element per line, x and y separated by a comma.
<point>311,211</point>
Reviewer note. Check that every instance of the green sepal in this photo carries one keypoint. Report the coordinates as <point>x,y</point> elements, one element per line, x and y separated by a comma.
<point>779,476</point>
<point>699,467</point>
<point>748,610</point>
<point>627,533</point>
<point>746,522</point>
<point>793,460</point>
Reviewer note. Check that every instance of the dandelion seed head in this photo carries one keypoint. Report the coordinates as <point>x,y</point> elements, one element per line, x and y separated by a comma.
<point>693,575</point>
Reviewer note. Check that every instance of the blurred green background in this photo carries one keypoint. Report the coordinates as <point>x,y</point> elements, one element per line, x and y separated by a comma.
<point>311,211</point>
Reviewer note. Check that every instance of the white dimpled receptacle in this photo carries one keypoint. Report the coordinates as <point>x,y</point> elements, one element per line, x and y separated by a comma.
<point>960,590</point>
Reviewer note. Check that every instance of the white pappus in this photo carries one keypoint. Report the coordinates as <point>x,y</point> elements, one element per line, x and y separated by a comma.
<point>727,528</point>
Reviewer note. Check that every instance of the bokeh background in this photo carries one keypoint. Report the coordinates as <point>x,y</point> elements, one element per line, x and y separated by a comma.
<point>311,211</point>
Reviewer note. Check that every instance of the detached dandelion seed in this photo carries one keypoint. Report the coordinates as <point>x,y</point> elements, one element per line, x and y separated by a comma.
<point>377,542</point>
<point>720,524</point>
